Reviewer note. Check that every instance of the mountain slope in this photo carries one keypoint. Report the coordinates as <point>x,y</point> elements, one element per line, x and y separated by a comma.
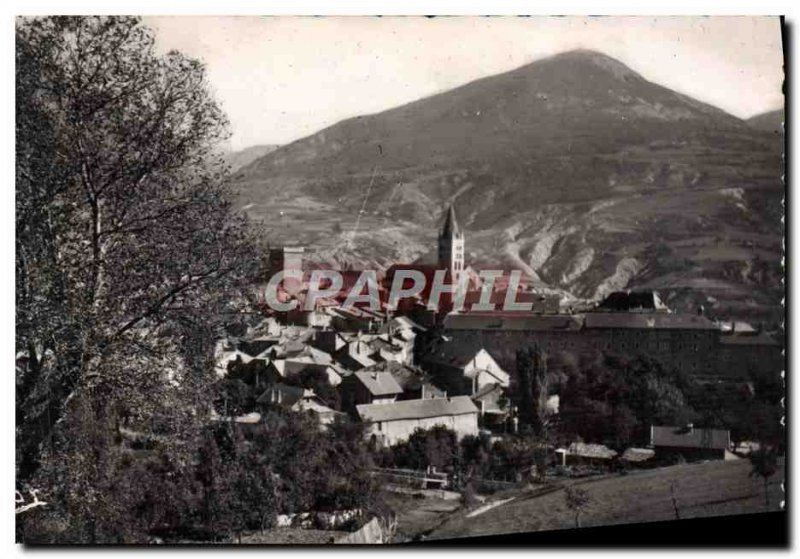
<point>771,121</point>
<point>243,157</point>
<point>574,168</point>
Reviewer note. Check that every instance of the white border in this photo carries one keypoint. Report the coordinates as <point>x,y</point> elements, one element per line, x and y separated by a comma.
<point>321,7</point>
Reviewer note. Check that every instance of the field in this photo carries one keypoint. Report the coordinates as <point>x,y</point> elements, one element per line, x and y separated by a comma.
<point>701,489</point>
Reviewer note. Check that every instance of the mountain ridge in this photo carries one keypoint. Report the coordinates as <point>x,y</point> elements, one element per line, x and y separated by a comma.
<point>574,168</point>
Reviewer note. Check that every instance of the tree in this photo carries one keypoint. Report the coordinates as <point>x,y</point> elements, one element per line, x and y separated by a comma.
<point>577,500</point>
<point>127,247</point>
<point>534,386</point>
<point>765,464</point>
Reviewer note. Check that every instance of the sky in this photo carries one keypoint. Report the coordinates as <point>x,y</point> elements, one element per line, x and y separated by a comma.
<point>282,78</point>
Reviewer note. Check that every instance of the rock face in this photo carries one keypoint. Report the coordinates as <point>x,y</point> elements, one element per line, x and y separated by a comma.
<point>573,168</point>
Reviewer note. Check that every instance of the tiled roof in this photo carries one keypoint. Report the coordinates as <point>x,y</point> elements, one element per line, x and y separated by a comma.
<point>652,321</point>
<point>748,339</point>
<point>638,454</point>
<point>586,450</point>
<point>417,409</point>
<point>378,383</point>
<point>487,390</point>
<point>678,437</point>
<point>512,321</point>
<point>453,353</point>
<point>401,323</point>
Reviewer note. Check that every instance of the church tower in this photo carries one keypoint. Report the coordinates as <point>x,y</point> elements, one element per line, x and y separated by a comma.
<point>451,245</point>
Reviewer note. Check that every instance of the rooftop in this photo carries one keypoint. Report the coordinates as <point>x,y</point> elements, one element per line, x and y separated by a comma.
<point>586,450</point>
<point>416,409</point>
<point>453,353</point>
<point>648,321</point>
<point>510,320</point>
<point>450,226</point>
<point>378,383</point>
<point>689,437</point>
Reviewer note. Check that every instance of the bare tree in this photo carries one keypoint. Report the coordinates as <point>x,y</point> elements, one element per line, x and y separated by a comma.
<point>672,485</point>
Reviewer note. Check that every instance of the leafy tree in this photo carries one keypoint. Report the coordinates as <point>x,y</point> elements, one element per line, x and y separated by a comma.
<point>614,400</point>
<point>765,465</point>
<point>127,249</point>
<point>577,500</point>
<point>533,387</point>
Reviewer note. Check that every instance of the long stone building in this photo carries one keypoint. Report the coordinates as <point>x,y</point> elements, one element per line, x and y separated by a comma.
<point>627,322</point>
<point>691,343</point>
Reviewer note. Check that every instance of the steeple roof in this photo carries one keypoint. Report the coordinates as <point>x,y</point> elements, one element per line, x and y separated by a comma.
<point>450,226</point>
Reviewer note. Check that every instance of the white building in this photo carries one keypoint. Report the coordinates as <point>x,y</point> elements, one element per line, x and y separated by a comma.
<point>394,423</point>
<point>463,369</point>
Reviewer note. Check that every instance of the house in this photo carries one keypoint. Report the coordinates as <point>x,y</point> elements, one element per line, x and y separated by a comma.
<point>393,423</point>
<point>285,395</point>
<point>354,319</point>
<point>464,369</point>
<point>492,402</point>
<point>299,399</point>
<point>690,442</point>
<point>388,348</point>
<point>401,326</point>
<point>309,358</point>
<point>368,387</point>
<point>257,346</point>
<point>415,383</point>
<point>297,367</point>
<point>323,414</point>
<point>356,355</point>
<point>329,341</point>
<point>355,361</point>
<point>267,327</point>
<point>225,358</point>
<point>586,454</point>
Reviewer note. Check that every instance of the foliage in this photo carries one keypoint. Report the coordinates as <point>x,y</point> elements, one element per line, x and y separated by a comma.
<point>577,500</point>
<point>765,465</point>
<point>614,400</point>
<point>128,255</point>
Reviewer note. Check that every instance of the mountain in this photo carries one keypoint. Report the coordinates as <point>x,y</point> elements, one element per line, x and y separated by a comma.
<point>771,121</point>
<point>573,168</point>
<point>242,158</point>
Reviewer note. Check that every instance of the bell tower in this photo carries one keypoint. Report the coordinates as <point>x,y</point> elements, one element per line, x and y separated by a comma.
<point>451,245</point>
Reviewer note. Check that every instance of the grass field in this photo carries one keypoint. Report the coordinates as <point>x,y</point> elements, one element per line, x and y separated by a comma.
<point>702,489</point>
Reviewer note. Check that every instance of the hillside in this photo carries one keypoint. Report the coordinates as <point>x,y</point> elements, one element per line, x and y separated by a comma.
<point>574,168</point>
<point>771,121</point>
<point>701,489</point>
<point>243,157</point>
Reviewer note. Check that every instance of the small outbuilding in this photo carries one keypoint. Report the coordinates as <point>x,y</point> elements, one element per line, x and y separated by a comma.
<point>690,442</point>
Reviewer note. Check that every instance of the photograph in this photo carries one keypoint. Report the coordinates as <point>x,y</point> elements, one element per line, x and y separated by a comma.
<point>453,280</point>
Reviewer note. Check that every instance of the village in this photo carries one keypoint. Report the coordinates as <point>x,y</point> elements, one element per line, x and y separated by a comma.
<point>389,280</point>
<point>416,369</point>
